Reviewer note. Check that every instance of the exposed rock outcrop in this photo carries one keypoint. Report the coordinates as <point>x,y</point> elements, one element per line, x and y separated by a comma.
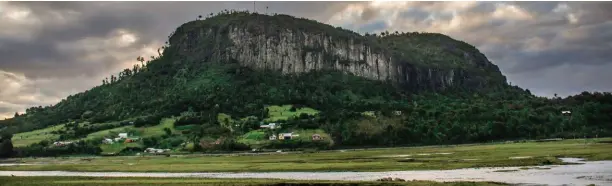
<point>289,50</point>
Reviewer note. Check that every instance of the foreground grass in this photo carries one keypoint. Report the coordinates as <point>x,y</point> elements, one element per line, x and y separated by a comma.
<point>85,181</point>
<point>416,158</point>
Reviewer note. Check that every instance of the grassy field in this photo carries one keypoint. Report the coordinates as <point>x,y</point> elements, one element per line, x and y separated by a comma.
<point>414,158</point>
<point>284,112</point>
<point>86,181</point>
<point>27,138</point>
<point>254,137</point>
<point>156,130</point>
<point>104,133</point>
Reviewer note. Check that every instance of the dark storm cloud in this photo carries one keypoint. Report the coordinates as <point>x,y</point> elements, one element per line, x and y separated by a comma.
<point>47,60</point>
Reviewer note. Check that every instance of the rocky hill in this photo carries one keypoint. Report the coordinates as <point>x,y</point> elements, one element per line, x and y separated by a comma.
<point>221,77</point>
<point>291,45</point>
<point>238,62</point>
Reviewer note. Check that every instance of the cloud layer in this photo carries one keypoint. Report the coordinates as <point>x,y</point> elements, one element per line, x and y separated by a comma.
<point>53,49</point>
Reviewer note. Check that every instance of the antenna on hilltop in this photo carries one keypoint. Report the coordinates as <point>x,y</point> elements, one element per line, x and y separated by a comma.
<point>253,6</point>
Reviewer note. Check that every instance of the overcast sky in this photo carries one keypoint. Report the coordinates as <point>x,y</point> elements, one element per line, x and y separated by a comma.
<point>50,50</point>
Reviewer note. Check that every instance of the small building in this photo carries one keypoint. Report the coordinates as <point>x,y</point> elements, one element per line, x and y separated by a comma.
<point>566,112</point>
<point>123,135</point>
<point>154,150</point>
<point>272,137</point>
<point>107,141</point>
<point>316,137</point>
<point>61,143</point>
<point>286,136</point>
<point>117,139</point>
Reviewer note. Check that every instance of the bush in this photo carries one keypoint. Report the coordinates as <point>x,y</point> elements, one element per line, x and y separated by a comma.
<point>148,120</point>
<point>130,150</point>
<point>170,143</point>
<point>151,141</point>
<point>232,145</point>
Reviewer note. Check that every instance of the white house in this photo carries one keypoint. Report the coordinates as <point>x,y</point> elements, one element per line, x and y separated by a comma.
<point>123,135</point>
<point>107,141</point>
<point>272,137</point>
<point>284,136</point>
<point>566,112</point>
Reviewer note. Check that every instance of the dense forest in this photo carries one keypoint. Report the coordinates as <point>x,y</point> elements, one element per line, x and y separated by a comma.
<point>171,85</point>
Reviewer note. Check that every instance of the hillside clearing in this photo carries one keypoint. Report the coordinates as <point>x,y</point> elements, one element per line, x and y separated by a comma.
<point>27,138</point>
<point>284,112</point>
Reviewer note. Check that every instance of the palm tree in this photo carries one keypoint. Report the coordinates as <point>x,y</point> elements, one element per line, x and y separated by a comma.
<point>141,59</point>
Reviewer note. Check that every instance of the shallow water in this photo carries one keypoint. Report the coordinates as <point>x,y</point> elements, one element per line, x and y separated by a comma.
<point>593,172</point>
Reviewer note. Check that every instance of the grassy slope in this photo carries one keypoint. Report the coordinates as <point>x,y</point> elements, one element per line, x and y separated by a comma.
<point>27,138</point>
<point>464,156</point>
<point>104,133</point>
<point>283,112</point>
<point>85,181</point>
<point>276,113</point>
<point>258,138</point>
<point>156,130</point>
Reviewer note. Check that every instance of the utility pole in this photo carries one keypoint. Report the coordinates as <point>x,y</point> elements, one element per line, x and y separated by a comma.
<point>253,6</point>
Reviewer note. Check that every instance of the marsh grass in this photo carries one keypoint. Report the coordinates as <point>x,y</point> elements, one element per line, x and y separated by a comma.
<point>485,155</point>
<point>136,181</point>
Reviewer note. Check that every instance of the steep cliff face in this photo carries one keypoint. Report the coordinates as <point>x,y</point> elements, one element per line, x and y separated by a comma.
<point>292,45</point>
